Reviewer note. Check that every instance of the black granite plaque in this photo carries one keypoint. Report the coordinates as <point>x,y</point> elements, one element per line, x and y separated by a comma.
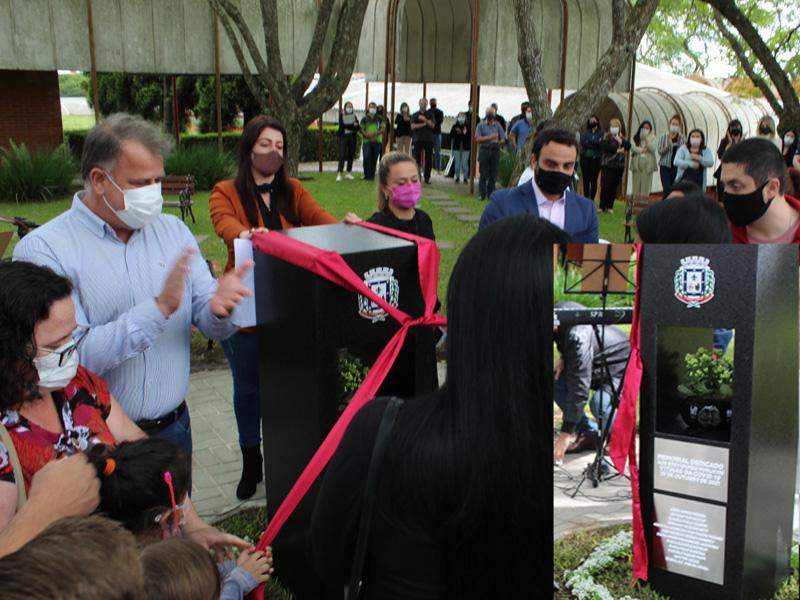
<point>717,488</point>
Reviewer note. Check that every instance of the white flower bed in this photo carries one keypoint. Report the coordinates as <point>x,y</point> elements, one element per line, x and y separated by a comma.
<point>581,582</point>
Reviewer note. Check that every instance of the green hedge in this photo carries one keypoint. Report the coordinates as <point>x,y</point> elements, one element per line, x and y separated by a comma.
<point>230,141</point>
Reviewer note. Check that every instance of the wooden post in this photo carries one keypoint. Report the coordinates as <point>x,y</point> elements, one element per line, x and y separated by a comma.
<point>93,60</point>
<point>393,54</point>
<point>564,46</point>
<point>366,96</point>
<point>320,135</point>
<point>425,89</point>
<point>629,128</point>
<point>175,120</point>
<point>474,91</point>
<point>217,82</point>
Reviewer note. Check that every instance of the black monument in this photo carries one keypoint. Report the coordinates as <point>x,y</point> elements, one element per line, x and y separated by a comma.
<point>305,324</point>
<point>718,453</point>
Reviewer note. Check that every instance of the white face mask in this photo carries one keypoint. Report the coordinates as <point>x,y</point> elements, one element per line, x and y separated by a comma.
<point>348,110</point>
<point>461,119</point>
<point>51,375</point>
<point>645,131</point>
<point>788,140</point>
<point>614,130</point>
<point>529,116</point>
<point>372,112</point>
<point>142,204</point>
<point>674,129</point>
<point>695,141</point>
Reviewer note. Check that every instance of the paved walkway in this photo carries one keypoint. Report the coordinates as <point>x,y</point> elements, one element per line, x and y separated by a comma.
<point>216,460</point>
<point>607,504</point>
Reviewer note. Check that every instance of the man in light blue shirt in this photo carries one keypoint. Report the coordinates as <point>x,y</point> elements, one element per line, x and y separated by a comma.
<point>140,282</point>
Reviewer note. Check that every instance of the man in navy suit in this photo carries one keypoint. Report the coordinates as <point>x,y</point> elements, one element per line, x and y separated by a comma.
<point>555,153</point>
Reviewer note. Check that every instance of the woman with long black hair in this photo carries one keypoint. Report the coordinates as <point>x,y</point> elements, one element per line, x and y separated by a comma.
<point>463,508</point>
<point>261,197</point>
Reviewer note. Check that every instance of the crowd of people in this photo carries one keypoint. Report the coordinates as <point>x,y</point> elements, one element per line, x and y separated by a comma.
<point>97,308</point>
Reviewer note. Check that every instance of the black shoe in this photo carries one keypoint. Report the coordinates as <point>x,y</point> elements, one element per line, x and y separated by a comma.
<point>252,472</point>
<point>427,182</point>
<point>584,441</point>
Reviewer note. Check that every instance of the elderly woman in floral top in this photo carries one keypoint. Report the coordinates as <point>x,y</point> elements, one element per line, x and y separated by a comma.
<point>51,406</point>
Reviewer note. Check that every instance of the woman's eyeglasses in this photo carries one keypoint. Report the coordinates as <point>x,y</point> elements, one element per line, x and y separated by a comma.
<point>67,350</point>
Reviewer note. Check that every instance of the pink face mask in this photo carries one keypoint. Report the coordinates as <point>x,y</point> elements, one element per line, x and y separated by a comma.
<point>407,195</point>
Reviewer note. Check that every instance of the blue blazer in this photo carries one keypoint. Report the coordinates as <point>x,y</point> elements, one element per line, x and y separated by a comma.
<point>580,219</point>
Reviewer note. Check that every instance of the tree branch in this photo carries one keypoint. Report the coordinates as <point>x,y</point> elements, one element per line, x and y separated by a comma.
<point>574,111</point>
<point>699,66</point>
<point>777,75</point>
<point>312,61</point>
<point>272,42</point>
<point>339,69</point>
<point>744,60</point>
<point>252,83</point>
<point>226,7</point>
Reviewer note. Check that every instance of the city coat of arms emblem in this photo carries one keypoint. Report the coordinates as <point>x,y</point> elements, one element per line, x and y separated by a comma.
<point>694,281</point>
<point>382,281</point>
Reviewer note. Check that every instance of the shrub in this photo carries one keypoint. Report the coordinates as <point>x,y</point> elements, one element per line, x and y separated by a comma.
<point>505,168</point>
<point>38,175</point>
<point>230,142</point>
<point>204,162</point>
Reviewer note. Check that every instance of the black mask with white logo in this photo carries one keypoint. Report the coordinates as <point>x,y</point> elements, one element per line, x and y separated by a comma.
<point>744,209</point>
<point>552,182</point>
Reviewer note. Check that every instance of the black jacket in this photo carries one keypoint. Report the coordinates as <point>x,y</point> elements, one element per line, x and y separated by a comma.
<point>584,363</point>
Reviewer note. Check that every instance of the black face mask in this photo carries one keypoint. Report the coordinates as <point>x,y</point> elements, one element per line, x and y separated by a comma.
<point>552,182</point>
<point>593,125</point>
<point>736,132</point>
<point>764,130</point>
<point>744,209</point>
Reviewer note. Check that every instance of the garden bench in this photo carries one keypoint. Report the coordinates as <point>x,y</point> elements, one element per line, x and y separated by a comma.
<point>633,207</point>
<point>182,186</point>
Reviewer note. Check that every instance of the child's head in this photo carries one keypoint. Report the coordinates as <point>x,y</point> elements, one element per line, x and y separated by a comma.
<point>179,569</point>
<point>133,486</point>
<point>77,558</point>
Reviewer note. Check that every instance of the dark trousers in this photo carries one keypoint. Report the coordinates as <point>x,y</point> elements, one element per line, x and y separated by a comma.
<point>372,151</point>
<point>425,148</point>
<point>609,184</point>
<point>489,157</point>
<point>241,350</point>
<point>347,150</point>
<point>590,170</point>
<point>668,175</point>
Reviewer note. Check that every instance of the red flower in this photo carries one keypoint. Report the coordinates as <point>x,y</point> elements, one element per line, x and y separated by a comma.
<point>714,357</point>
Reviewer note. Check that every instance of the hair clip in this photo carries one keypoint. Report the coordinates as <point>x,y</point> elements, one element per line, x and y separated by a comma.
<point>168,481</point>
<point>109,467</point>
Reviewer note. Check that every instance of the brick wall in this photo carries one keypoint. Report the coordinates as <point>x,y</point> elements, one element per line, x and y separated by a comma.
<point>30,109</point>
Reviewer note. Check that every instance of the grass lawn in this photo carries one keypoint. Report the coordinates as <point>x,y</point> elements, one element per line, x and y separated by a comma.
<point>77,122</point>
<point>571,550</point>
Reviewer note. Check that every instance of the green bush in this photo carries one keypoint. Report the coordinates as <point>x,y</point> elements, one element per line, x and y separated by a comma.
<point>38,175</point>
<point>204,162</point>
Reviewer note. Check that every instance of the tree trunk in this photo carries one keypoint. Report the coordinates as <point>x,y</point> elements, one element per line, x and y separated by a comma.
<point>529,56</point>
<point>295,124</point>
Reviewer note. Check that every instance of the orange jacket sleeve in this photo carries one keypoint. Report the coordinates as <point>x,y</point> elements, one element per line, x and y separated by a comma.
<point>308,211</point>
<point>223,205</point>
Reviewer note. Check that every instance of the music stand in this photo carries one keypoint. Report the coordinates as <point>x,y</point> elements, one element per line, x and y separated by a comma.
<point>605,269</point>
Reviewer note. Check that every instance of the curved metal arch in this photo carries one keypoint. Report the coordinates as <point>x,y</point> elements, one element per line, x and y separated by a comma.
<point>670,99</point>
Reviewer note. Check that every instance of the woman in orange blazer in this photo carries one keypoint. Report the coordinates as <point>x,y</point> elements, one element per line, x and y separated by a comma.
<point>261,197</point>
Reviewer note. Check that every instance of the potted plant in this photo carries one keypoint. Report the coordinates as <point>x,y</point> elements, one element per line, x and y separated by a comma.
<point>707,390</point>
<point>351,373</point>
